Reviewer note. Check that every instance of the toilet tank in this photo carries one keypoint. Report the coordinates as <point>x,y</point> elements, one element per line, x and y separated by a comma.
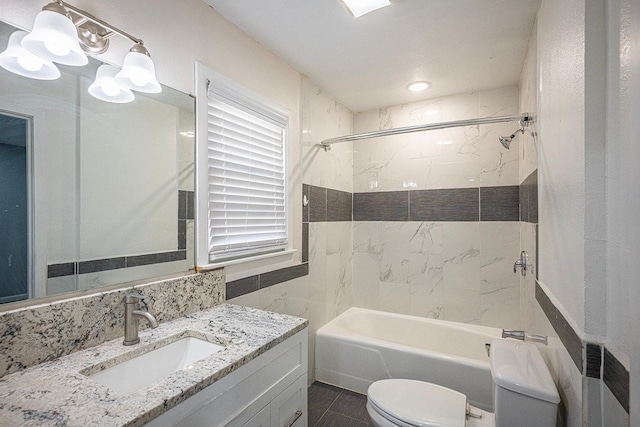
<point>524,393</point>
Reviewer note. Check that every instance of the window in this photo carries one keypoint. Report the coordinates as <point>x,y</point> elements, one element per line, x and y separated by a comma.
<point>246,207</point>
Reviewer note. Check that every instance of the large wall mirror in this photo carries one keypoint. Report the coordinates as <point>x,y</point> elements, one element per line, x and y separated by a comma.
<point>91,193</point>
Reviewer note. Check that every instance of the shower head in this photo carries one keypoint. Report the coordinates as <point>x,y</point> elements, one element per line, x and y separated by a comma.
<point>506,140</point>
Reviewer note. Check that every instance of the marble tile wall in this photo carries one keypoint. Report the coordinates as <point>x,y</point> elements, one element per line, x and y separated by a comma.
<point>326,291</point>
<point>44,332</point>
<point>440,268</point>
<point>458,271</point>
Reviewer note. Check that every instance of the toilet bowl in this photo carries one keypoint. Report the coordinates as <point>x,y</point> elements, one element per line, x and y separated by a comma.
<point>524,396</point>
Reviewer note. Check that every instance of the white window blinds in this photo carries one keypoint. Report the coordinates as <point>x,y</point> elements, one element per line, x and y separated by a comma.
<point>246,172</point>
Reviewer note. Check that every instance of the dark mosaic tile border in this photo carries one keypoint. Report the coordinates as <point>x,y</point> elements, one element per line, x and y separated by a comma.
<point>383,206</point>
<point>106,264</point>
<point>185,212</point>
<point>529,198</point>
<point>566,333</point>
<point>500,203</point>
<point>326,204</point>
<point>616,377</point>
<point>459,204</point>
<point>597,357</point>
<point>250,284</point>
<point>593,354</point>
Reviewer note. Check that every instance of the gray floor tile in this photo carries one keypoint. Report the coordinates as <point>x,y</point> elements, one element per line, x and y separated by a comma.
<point>320,397</point>
<point>350,404</point>
<point>331,419</point>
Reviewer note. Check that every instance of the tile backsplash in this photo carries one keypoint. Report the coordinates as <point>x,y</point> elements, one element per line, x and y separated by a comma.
<point>44,332</point>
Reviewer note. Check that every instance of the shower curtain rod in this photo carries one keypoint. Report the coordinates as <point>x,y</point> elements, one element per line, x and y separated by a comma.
<point>525,119</point>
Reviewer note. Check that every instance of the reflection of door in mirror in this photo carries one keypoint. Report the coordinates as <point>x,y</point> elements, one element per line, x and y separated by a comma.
<point>14,210</point>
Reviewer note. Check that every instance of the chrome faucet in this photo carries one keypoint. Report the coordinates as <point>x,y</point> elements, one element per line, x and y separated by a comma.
<point>523,336</point>
<point>512,333</point>
<point>131,313</point>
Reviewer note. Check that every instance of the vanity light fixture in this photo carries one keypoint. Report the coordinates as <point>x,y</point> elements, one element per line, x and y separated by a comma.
<point>107,89</point>
<point>138,72</point>
<point>418,86</point>
<point>357,8</point>
<point>54,37</point>
<point>64,34</point>
<point>20,61</point>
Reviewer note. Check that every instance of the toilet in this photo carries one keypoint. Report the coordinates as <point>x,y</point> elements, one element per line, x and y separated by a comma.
<point>524,395</point>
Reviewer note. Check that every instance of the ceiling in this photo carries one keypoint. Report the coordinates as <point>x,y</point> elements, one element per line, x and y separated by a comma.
<point>366,63</point>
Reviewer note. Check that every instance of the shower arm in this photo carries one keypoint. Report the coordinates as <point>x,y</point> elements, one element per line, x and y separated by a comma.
<point>524,119</point>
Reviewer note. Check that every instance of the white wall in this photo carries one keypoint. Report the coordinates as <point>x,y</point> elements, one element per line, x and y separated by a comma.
<point>585,167</point>
<point>633,8</point>
<point>623,68</point>
<point>561,157</point>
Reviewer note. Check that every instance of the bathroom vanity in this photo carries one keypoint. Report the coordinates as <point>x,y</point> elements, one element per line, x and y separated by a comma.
<point>255,376</point>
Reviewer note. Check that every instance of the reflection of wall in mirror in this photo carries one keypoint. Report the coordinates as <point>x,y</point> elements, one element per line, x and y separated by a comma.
<point>53,109</point>
<point>106,182</point>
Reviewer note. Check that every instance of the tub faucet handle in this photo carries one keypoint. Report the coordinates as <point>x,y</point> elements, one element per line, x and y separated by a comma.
<point>522,263</point>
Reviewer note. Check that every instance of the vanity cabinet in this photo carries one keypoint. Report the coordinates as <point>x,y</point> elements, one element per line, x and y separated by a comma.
<point>269,391</point>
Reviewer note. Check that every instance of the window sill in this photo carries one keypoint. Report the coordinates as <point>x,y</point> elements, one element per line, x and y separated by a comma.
<point>245,267</point>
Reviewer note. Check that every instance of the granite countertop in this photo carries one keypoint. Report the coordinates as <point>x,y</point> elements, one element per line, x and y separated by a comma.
<point>56,393</point>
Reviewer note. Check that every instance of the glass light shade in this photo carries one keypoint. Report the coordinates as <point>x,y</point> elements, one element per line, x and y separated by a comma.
<point>138,73</point>
<point>55,38</point>
<point>357,8</point>
<point>107,89</point>
<point>20,61</point>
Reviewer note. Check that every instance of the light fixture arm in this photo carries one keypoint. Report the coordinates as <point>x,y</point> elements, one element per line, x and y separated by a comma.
<point>88,17</point>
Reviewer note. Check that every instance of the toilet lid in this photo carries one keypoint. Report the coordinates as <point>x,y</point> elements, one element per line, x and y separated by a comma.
<point>418,403</point>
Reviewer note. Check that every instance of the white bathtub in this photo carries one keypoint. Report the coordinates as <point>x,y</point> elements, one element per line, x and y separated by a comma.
<point>362,346</point>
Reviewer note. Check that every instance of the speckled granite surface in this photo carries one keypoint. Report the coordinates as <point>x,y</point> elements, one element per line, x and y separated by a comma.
<point>57,394</point>
<point>39,333</point>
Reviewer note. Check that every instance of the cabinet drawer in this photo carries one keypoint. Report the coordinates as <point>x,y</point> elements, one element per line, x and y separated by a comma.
<point>261,419</point>
<point>290,407</point>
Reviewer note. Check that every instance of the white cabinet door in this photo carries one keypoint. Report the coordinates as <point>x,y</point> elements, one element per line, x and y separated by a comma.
<point>290,407</point>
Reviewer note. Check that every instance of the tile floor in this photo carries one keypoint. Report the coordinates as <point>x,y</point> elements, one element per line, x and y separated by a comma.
<point>331,406</point>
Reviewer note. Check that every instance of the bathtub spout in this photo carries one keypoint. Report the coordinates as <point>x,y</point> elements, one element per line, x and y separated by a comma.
<point>512,333</point>
<point>523,336</point>
<point>542,339</point>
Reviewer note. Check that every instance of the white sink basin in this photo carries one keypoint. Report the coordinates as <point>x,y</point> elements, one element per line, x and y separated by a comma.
<point>141,371</point>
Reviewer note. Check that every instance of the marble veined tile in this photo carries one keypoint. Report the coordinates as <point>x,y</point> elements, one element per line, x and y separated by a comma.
<point>394,257</point>
<point>395,297</point>
<point>500,308</point>
<point>500,238</point>
<point>426,238</point>
<point>462,306</point>
<point>323,118</point>
<point>499,102</point>
<point>366,289</point>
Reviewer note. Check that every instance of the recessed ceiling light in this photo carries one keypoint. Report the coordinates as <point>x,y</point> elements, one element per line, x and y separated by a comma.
<point>357,8</point>
<point>418,86</point>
